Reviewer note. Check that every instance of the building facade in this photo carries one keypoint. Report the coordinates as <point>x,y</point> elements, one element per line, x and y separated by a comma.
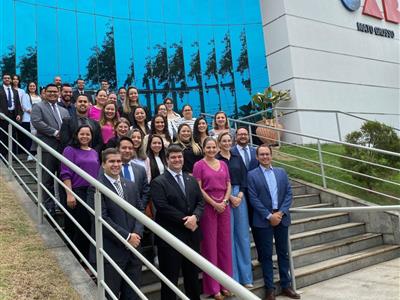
<point>209,54</point>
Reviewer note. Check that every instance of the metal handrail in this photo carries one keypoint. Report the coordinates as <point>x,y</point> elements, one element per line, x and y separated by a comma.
<point>178,245</point>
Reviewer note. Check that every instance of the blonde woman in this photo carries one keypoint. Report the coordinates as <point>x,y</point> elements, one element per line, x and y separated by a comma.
<point>191,150</point>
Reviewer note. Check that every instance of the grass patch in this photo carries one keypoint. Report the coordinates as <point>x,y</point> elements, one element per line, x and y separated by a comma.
<point>285,156</point>
<point>28,270</point>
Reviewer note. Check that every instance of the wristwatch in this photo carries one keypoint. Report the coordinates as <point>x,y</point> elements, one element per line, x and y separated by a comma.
<point>226,201</point>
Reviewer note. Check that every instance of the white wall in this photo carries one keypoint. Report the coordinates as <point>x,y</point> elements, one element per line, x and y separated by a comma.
<point>313,47</point>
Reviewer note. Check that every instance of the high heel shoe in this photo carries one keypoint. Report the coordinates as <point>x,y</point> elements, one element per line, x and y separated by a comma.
<point>219,296</point>
<point>227,293</point>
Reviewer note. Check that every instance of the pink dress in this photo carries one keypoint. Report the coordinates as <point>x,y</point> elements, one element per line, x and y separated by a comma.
<point>94,113</point>
<point>107,132</point>
<point>216,245</point>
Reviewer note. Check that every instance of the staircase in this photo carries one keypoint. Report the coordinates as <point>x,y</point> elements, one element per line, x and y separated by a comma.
<point>323,245</point>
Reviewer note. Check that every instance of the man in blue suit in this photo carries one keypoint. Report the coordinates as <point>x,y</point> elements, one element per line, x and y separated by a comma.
<point>270,195</point>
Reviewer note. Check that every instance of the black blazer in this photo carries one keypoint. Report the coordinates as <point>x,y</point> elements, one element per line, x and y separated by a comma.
<point>4,105</point>
<point>76,93</point>
<point>70,125</point>
<point>172,206</point>
<point>118,218</point>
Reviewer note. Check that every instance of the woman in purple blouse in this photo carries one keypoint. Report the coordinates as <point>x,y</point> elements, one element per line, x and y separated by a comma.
<point>216,246</point>
<point>86,158</point>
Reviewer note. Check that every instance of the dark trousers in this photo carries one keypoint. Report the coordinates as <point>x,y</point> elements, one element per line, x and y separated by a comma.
<point>263,239</point>
<point>171,262</point>
<point>53,165</point>
<point>4,137</point>
<point>26,142</point>
<point>133,269</point>
<point>81,215</point>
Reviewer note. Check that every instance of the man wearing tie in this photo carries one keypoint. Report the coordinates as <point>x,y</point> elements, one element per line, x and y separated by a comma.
<point>179,204</point>
<point>125,224</point>
<point>47,118</point>
<point>10,105</point>
<point>133,172</point>
<point>81,91</point>
<point>271,197</point>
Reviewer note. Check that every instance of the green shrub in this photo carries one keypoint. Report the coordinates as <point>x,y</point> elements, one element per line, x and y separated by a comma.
<point>377,135</point>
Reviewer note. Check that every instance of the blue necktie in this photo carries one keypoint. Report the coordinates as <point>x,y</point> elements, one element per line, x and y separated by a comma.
<point>9,99</point>
<point>246,158</point>
<point>127,174</point>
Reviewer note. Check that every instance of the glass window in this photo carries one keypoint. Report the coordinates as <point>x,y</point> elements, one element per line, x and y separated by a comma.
<point>7,48</point>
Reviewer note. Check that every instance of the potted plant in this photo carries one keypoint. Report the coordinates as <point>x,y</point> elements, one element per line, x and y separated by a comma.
<point>267,102</point>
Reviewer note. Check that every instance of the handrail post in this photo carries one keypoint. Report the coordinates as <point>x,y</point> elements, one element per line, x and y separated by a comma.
<point>291,263</point>
<point>338,126</point>
<point>321,163</point>
<point>39,172</point>
<point>10,147</point>
<point>276,122</point>
<point>99,245</point>
<point>251,135</point>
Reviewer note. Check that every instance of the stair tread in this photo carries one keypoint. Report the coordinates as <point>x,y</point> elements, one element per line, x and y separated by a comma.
<point>318,205</point>
<point>340,260</point>
<point>305,195</point>
<point>319,217</point>
<point>324,230</point>
<point>326,246</point>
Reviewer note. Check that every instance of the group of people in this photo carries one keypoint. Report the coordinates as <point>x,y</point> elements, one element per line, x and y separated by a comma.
<point>206,187</point>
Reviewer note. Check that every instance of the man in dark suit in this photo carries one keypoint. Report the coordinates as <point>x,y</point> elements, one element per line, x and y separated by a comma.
<point>81,91</point>
<point>10,105</point>
<point>248,155</point>
<point>126,225</point>
<point>133,172</point>
<point>271,197</point>
<point>47,118</point>
<point>72,123</point>
<point>179,204</point>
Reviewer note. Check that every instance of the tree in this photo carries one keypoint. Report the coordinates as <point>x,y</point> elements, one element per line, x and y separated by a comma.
<point>243,61</point>
<point>377,135</point>
<point>28,66</point>
<point>211,62</point>
<point>8,61</point>
<point>101,63</point>
<point>195,73</point>
<point>130,78</point>
<point>177,69</point>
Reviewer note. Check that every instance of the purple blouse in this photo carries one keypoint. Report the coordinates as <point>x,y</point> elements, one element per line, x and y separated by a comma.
<point>87,160</point>
<point>213,182</point>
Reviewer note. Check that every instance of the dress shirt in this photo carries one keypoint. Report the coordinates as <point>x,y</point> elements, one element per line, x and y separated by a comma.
<point>241,152</point>
<point>132,175</point>
<point>269,176</point>
<point>12,96</point>
<point>174,174</point>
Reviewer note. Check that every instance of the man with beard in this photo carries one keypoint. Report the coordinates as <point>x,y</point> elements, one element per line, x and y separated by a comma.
<point>78,118</point>
<point>66,99</point>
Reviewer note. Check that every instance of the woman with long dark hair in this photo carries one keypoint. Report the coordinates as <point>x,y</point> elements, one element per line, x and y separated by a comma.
<point>86,158</point>
<point>200,130</point>
<point>108,120</point>
<point>221,125</point>
<point>139,120</point>
<point>158,125</point>
<point>156,160</point>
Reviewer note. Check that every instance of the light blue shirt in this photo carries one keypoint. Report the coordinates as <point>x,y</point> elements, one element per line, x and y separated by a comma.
<point>269,176</point>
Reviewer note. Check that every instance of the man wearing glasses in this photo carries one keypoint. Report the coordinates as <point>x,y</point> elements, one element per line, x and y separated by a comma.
<point>47,119</point>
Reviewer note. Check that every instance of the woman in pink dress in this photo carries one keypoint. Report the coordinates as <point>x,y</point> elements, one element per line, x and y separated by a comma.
<point>108,120</point>
<point>214,180</point>
<point>94,112</point>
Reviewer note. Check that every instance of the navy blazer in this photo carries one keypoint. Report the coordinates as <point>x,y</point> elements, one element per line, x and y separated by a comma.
<point>3,102</point>
<point>117,218</point>
<point>172,205</point>
<point>253,160</point>
<point>260,196</point>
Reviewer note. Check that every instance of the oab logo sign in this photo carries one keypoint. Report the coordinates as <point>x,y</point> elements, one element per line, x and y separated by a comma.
<point>390,9</point>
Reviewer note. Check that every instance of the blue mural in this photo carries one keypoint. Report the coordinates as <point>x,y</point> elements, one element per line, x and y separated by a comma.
<point>209,54</point>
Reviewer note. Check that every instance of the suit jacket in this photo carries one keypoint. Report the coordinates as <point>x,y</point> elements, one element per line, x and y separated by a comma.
<point>45,123</point>
<point>76,93</point>
<point>4,105</point>
<point>260,196</point>
<point>141,183</point>
<point>70,125</point>
<point>172,205</point>
<point>117,218</point>
<point>253,160</point>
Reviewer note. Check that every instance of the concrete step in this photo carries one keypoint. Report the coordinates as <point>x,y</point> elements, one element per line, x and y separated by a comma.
<point>333,267</point>
<point>298,215</point>
<point>307,199</point>
<point>298,189</point>
<point>316,222</point>
<point>325,235</point>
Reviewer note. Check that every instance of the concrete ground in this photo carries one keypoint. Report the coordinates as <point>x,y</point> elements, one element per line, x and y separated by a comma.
<point>381,281</point>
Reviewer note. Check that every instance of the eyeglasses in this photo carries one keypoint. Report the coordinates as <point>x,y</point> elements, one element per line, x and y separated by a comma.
<point>52,92</point>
